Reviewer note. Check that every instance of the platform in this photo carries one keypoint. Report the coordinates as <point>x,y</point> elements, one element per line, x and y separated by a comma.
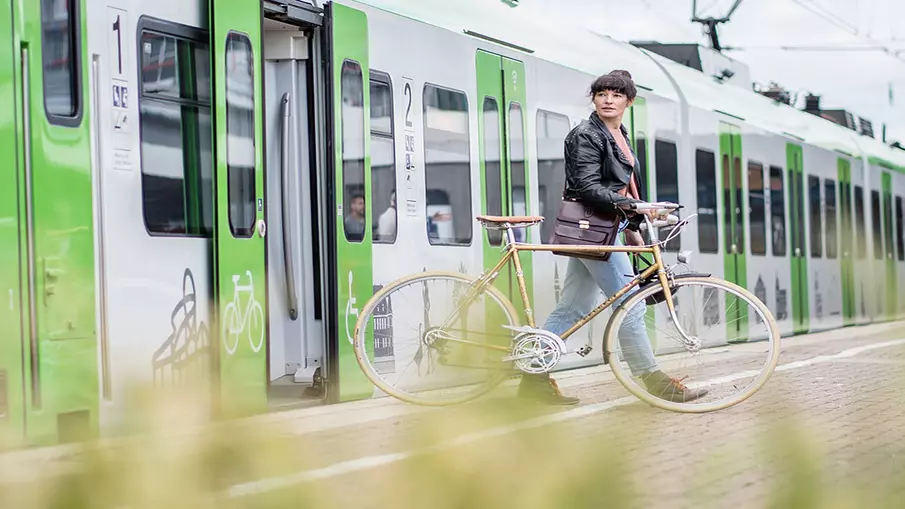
<point>829,426</point>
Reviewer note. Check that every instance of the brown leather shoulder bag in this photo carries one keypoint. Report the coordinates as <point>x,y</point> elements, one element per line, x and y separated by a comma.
<point>578,224</point>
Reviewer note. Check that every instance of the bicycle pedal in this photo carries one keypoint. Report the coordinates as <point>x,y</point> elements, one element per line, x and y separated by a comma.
<point>584,351</point>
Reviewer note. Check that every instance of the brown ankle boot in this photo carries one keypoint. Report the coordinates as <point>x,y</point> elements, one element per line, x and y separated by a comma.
<point>543,389</point>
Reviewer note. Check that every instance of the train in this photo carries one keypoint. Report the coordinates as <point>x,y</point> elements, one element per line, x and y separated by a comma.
<point>204,193</point>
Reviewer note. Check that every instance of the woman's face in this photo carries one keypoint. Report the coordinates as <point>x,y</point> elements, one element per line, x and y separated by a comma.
<point>611,104</point>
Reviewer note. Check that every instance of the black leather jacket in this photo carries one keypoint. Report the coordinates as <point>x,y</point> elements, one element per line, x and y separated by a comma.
<point>596,169</point>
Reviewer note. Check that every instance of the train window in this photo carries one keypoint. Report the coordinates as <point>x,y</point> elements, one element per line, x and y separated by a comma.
<point>383,159</point>
<point>552,129</point>
<point>900,230</point>
<point>447,166</point>
<point>240,135</point>
<point>667,183</point>
<point>777,212</point>
<point>861,234</point>
<point>60,54</point>
<point>354,210</point>
<point>493,187</point>
<point>175,132</point>
<point>641,153</point>
<point>832,244</point>
<point>517,165</point>
<point>816,228</point>
<point>757,219</point>
<point>708,224</point>
<point>875,224</point>
<point>887,224</point>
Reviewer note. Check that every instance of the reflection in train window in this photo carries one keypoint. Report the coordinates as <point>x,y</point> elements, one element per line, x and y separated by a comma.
<point>667,184</point>
<point>816,229</point>
<point>383,160</point>
<point>757,219</point>
<point>240,135</point>
<point>493,186</point>
<point>829,188</point>
<point>175,132</point>
<point>517,166</point>
<point>353,150</point>
<point>447,166</point>
<point>777,212</point>
<point>708,225</point>
<point>552,129</point>
<point>861,234</point>
<point>900,230</point>
<point>59,36</point>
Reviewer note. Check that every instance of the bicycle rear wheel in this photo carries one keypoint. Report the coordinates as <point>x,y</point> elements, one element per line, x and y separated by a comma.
<point>431,339</point>
<point>730,347</point>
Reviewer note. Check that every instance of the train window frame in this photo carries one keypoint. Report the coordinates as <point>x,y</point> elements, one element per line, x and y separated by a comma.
<point>383,78</point>
<point>778,171</point>
<point>674,245</point>
<point>469,221</point>
<point>76,90</point>
<point>241,231</point>
<point>555,165</point>
<point>348,196</point>
<point>762,234</point>
<point>831,212</point>
<point>198,38</point>
<point>815,215</point>
<point>709,179</point>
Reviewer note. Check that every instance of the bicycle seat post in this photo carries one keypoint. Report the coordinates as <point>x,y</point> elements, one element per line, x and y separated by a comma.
<point>510,237</point>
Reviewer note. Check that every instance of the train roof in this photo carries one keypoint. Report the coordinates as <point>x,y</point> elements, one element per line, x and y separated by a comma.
<point>582,49</point>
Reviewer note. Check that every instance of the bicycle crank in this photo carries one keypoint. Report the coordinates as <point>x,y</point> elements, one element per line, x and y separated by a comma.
<point>536,351</point>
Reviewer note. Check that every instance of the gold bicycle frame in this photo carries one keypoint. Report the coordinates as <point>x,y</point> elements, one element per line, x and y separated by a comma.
<point>512,249</point>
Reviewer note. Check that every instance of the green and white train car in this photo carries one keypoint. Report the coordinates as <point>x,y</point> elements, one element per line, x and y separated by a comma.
<point>166,163</point>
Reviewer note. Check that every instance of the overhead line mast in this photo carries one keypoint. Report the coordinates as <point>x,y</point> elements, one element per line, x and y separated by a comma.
<point>710,23</point>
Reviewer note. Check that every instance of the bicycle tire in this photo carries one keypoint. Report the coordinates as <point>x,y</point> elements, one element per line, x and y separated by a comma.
<point>611,339</point>
<point>360,337</point>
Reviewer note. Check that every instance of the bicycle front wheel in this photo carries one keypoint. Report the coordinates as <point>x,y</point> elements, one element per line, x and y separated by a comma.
<point>435,338</point>
<point>722,349</point>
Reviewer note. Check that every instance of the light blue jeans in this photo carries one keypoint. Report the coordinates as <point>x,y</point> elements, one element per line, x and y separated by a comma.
<point>584,279</point>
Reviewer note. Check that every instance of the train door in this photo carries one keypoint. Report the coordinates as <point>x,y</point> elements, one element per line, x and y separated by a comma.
<point>798,253</point>
<point>504,170</point>
<point>51,197</point>
<point>12,375</point>
<point>847,251</point>
<point>350,235</point>
<point>889,249</point>
<point>240,277</point>
<point>733,206</point>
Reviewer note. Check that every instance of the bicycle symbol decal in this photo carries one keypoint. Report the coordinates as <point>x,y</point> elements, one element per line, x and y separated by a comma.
<point>250,320</point>
<point>350,310</point>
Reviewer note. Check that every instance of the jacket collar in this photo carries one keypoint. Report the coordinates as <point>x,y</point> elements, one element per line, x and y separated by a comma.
<point>609,136</point>
<point>600,125</point>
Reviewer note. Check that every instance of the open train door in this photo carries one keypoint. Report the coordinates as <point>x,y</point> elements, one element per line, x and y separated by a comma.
<point>349,213</point>
<point>239,228</point>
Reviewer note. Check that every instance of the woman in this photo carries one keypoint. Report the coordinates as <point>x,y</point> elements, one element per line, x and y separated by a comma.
<point>603,172</point>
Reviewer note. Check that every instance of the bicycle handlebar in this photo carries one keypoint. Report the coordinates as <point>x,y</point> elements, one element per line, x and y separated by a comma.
<point>654,206</point>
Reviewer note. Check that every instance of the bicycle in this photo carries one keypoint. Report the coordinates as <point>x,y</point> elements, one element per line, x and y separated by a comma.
<point>513,344</point>
<point>236,322</point>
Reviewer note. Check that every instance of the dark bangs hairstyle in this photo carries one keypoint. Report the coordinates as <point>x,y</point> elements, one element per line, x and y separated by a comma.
<point>617,81</point>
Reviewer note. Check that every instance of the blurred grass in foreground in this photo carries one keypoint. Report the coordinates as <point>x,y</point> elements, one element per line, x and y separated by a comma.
<point>183,461</point>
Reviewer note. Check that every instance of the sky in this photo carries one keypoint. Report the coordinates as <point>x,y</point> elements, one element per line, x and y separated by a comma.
<point>841,50</point>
